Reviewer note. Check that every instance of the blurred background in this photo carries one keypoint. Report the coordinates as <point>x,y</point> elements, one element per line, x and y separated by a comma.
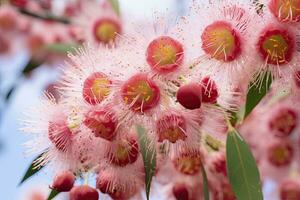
<point>27,69</point>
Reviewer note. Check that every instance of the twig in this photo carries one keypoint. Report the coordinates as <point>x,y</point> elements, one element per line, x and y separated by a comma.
<point>44,17</point>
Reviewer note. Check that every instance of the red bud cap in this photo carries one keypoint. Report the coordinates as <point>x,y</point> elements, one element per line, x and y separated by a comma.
<point>64,181</point>
<point>180,192</point>
<point>289,190</point>
<point>84,192</point>
<point>189,96</point>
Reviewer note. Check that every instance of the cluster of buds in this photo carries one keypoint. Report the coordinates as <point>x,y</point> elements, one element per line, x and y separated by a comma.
<point>64,182</point>
<point>180,85</point>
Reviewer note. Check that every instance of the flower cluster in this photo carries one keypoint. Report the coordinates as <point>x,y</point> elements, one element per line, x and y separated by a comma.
<point>180,82</point>
<point>277,126</point>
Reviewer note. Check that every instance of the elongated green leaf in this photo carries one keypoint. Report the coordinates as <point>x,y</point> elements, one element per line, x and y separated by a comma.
<point>149,157</point>
<point>115,5</point>
<point>31,65</point>
<point>205,183</point>
<point>32,169</point>
<point>256,93</point>
<point>52,194</point>
<point>60,48</point>
<point>242,170</point>
<point>10,92</point>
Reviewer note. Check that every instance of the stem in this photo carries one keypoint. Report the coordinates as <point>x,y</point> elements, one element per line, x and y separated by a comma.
<point>44,17</point>
<point>229,125</point>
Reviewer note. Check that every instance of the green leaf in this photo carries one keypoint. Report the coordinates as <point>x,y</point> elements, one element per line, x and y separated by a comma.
<point>52,194</point>
<point>60,48</point>
<point>205,183</point>
<point>149,157</point>
<point>242,170</point>
<point>257,92</point>
<point>32,169</point>
<point>31,65</point>
<point>115,5</point>
<point>10,92</point>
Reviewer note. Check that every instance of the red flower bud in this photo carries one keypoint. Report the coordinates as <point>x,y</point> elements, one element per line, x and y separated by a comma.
<point>189,96</point>
<point>84,192</point>
<point>180,191</point>
<point>63,181</point>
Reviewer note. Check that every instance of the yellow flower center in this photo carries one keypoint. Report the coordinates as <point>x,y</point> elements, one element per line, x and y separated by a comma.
<point>276,47</point>
<point>220,41</point>
<point>100,88</point>
<point>106,31</point>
